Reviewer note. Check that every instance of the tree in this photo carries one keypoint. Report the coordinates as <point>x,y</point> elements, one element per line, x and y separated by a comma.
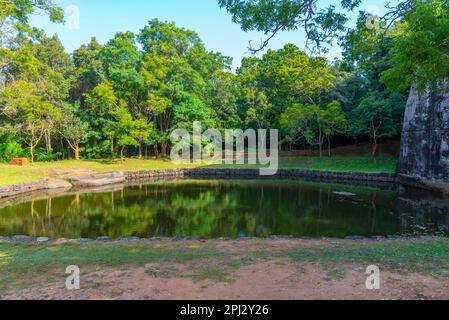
<point>420,53</point>
<point>23,101</point>
<point>141,131</point>
<point>378,118</point>
<point>74,131</point>
<point>14,15</point>
<point>313,123</point>
<point>297,122</point>
<point>89,71</point>
<point>176,68</point>
<point>121,62</point>
<point>274,16</point>
<point>304,78</point>
<point>278,80</point>
<point>100,104</point>
<point>221,97</point>
<point>125,130</point>
<point>56,71</point>
<point>333,121</point>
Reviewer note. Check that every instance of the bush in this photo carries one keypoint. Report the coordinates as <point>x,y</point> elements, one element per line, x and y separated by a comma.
<point>11,149</point>
<point>42,156</point>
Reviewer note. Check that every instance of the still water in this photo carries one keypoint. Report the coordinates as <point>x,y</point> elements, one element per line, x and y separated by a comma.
<point>227,208</point>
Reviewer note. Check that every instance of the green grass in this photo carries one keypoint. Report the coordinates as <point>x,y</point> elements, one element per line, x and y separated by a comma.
<point>20,263</point>
<point>412,256</point>
<point>13,174</point>
<point>343,164</point>
<point>337,164</point>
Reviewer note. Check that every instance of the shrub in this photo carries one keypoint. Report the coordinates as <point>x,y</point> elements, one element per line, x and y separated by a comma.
<point>42,156</point>
<point>11,149</point>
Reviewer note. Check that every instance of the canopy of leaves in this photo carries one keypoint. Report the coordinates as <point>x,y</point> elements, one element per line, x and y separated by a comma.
<point>321,25</point>
<point>420,53</point>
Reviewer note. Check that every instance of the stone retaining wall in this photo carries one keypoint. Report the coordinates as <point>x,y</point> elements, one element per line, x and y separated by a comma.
<point>254,173</point>
<point>46,240</point>
<point>20,188</point>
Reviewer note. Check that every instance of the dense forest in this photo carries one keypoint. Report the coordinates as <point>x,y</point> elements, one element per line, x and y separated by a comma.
<point>124,97</point>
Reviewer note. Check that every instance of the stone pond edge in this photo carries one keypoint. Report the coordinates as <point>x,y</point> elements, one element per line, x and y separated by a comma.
<point>18,239</point>
<point>104,179</point>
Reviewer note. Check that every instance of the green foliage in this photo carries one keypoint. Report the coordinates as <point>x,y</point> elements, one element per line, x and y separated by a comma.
<point>313,124</point>
<point>268,86</point>
<point>273,16</point>
<point>11,149</point>
<point>14,15</point>
<point>24,102</point>
<point>129,94</point>
<point>125,130</point>
<point>44,156</point>
<point>420,53</point>
<point>378,117</point>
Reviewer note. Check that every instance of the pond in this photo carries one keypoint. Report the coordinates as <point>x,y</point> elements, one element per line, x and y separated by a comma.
<point>227,208</point>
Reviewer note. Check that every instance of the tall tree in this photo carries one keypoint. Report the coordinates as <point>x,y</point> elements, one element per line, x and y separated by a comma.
<point>125,130</point>
<point>177,69</point>
<point>24,102</point>
<point>333,121</point>
<point>378,118</point>
<point>74,131</point>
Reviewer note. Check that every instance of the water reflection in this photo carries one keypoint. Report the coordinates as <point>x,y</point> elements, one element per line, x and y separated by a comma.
<point>420,211</point>
<point>231,208</point>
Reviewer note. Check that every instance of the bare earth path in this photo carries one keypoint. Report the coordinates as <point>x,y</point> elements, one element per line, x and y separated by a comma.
<point>255,275</point>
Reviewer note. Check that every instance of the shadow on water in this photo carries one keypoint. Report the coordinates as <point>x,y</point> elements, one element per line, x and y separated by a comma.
<point>422,211</point>
<point>227,208</point>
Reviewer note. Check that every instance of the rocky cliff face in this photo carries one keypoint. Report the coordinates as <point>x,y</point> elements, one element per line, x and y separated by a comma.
<point>424,160</point>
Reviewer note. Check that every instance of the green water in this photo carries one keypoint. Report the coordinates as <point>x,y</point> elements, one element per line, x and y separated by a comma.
<point>234,208</point>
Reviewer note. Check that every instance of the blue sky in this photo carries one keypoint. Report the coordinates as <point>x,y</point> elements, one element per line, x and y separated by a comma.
<point>103,18</point>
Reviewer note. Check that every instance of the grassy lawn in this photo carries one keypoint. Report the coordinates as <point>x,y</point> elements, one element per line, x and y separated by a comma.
<point>19,264</point>
<point>12,174</point>
<point>339,164</point>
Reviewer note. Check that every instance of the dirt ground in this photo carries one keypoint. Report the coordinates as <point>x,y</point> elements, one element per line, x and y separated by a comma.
<point>271,278</point>
<point>261,281</point>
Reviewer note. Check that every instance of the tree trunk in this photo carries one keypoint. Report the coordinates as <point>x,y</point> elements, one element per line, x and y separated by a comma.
<point>48,141</point>
<point>140,151</point>
<point>112,146</point>
<point>32,153</point>
<point>122,156</point>
<point>77,152</point>
<point>374,148</point>
<point>164,148</point>
<point>320,143</point>
<point>329,146</point>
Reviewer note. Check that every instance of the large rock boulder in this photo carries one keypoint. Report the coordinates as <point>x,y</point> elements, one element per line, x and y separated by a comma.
<point>424,160</point>
<point>97,180</point>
